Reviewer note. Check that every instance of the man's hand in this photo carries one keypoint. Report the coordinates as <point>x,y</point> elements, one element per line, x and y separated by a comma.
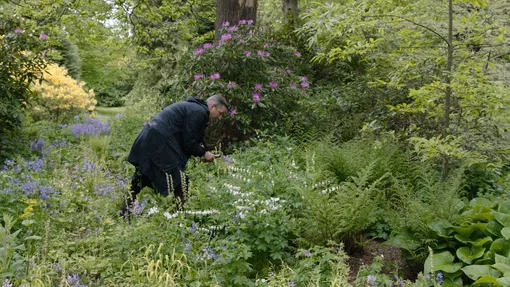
<point>209,156</point>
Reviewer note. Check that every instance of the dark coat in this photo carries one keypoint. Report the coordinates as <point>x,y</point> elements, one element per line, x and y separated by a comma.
<point>170,138</point>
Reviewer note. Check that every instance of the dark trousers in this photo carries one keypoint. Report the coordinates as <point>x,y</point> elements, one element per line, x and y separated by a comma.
<point>176,182</point>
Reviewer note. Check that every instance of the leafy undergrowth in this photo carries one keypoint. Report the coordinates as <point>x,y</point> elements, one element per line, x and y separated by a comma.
<point>249,219</point>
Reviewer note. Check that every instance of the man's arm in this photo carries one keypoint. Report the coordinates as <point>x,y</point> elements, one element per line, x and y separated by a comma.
<point>193,124</point>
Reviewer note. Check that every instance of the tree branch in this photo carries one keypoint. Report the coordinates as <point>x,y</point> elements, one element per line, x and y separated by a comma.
<point>413,22</point>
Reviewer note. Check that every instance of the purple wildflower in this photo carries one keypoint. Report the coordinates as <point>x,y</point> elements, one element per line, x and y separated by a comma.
<point>215,76</point>
<point>371,280</point>
<point>266,45</point>
<point>258,87</point>
<point>45,192</point>
<point>293,86</point>
<point>6,283</point>
<point>256,97</point>
<point>242,22</point>
<point>198,76</point>
<point>261,53</point>
<point>43,36</point>
<point>247,53</point>
<point>249,22</point>
<point>297,54</point>
<point>37,144</point>
<point>291,284</point>
<point>225,24</point>
<point>305,85</point>
<point>273,84</point>
<point>231,85</point>
<point>18,31</point>
<point>233,113</point>
<point>308,253</point>
<point>193,228</point>
<point>233,29</point>
<point>90,127</point>
<point>207,45</point>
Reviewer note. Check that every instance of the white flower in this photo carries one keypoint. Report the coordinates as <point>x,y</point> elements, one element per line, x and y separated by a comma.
<point>169,216</point>
<point>153,210</point>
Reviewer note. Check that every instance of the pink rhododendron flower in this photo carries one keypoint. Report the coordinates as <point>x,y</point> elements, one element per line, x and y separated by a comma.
<point>199,51</point>
<point>226,37</point>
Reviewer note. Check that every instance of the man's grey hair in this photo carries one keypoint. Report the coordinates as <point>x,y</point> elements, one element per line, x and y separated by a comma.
<point>218,100</point>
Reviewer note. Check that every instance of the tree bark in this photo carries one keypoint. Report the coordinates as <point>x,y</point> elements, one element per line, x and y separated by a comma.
<point>232,11</point>
<point>448,94</point>
<point>290,6</point>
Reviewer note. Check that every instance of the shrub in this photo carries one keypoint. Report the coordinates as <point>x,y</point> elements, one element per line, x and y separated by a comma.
<point>262,79</point>
<point>61,96</point>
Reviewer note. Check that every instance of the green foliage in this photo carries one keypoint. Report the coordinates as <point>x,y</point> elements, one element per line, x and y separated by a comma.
<point>69,57</point>
<point>401,48</point>
<point>22,64</point>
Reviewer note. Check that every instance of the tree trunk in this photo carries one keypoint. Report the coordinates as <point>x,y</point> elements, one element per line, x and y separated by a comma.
<point>232,11</point>
<point>448,93</point>
<point>290,6</point>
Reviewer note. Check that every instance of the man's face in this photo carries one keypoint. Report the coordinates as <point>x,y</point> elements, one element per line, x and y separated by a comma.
<point>216,112</point>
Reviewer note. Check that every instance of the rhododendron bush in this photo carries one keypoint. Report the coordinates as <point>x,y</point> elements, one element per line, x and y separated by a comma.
<point>61,96</point>
<point>262,79</point>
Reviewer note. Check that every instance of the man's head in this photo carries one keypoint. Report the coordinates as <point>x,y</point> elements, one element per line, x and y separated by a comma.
<point>218,106</point>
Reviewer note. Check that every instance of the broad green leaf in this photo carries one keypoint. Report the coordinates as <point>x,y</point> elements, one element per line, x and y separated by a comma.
<point>403,241</point>
<point>487,279</point>
<point>505,281</point>
<point>502,218</point>
<point>501,267</point>
<point>504,207</point>
<point>502,259</point>
<point>466,231</point>
<point>506,232</point>
<point>494,227</point>
<point>468,254</point>
<point>442,227</point>
<point>476,271</point>
<point>441,262</point>
<point>455,283</point>
<point>501,246</point>
<point>480,201</point>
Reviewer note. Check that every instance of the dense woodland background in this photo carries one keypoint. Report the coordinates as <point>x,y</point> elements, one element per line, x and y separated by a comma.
<point>350,122</point>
